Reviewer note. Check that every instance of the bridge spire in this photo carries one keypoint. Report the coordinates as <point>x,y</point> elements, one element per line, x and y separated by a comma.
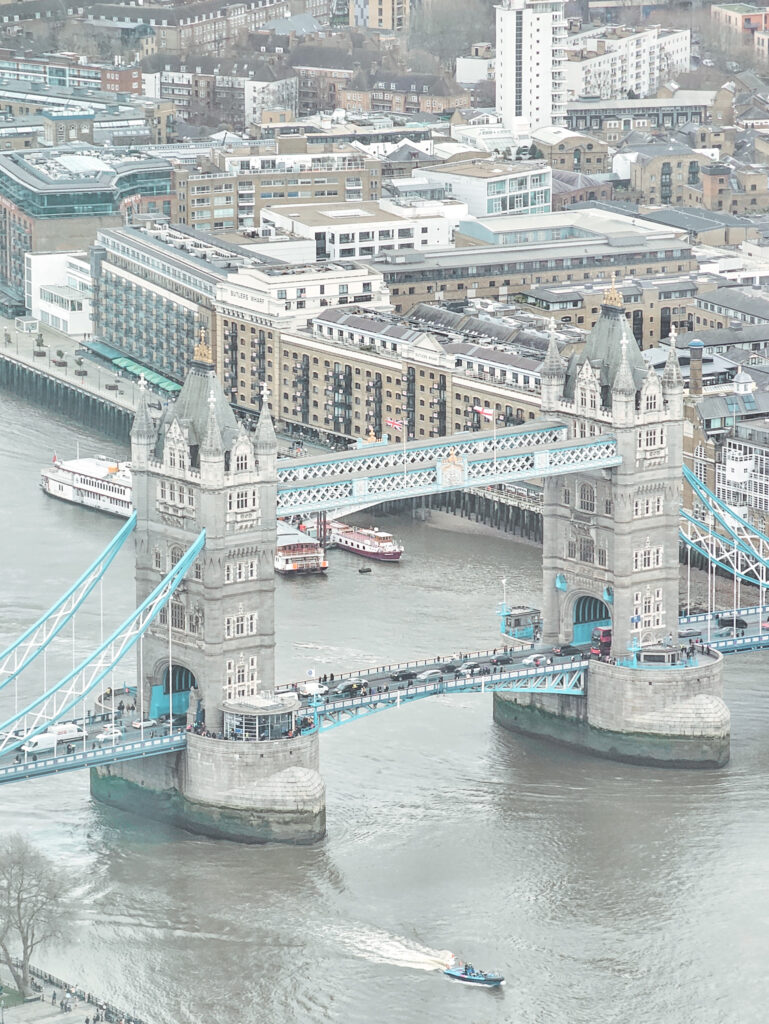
<point>671,377</point>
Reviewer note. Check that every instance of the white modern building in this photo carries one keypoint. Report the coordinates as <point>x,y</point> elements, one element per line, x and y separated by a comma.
<point>531,86</point>
<point>611,61</point>
<point>490,187</point>
<point>478,66</point>
<point>363,230</point>
<point>58,290</point>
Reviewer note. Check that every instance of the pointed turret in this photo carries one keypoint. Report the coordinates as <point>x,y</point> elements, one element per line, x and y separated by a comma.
<point>212,447</point>
<point>553,372</point>
<point>624,384</point>
<point>671,376</point>
<point>143,431</point>
<point>265,441</point>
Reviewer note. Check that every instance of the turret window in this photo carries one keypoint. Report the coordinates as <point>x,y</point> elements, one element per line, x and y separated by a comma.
<point>241,462</point>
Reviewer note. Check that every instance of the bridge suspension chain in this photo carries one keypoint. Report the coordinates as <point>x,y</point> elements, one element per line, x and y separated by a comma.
<point>20,654</point>
<point>62,698</point>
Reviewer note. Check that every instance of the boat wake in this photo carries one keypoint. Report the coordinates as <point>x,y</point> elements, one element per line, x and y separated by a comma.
<point>382,948</point>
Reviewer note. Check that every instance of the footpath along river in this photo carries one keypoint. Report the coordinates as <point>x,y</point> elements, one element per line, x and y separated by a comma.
<point>604,892</point>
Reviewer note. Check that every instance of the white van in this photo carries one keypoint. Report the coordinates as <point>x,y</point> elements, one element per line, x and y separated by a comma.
<point>312,688</point>
<point>48,741</point>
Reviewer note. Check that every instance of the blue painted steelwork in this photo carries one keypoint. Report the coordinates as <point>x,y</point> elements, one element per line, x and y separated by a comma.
<point>183,682</point>
<point>355,480</point>
<point>127,635</point>
<point>76,594</point>
<point>127,751</point>
<point>565,678</point>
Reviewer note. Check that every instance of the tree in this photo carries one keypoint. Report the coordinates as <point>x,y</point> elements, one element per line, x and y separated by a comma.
<point>34,893</point>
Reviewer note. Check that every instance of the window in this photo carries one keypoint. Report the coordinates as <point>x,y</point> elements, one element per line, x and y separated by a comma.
<point>241,462</point>
<point>586,549</point>
<point>586,498</point>
<point>177,615</point>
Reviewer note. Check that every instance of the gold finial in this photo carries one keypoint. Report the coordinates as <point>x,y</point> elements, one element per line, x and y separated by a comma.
<point>203,349</point>
<point>611,297</point>
<point>371,436</point>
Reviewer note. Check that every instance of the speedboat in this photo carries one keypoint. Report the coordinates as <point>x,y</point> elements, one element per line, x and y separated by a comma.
<point>466,972</point>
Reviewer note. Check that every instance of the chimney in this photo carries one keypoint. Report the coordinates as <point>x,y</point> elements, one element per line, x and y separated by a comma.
<point>695,368</point>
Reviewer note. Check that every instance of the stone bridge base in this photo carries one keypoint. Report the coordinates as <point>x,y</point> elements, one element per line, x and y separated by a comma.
<point>260,792</point>
<point>673,718</point>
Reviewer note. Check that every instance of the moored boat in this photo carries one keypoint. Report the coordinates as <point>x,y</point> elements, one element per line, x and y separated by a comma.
<point>471,975</point>
<point>296,553</point>
<point>373,543</point>
<point>99,483</point>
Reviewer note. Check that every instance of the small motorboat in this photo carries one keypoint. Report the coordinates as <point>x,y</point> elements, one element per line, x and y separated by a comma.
<point>466,972</point>
<point>365,569</point>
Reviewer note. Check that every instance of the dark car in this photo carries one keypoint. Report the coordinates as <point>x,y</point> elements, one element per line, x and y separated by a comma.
<point>568,650</point>
<point>348,688</point>
<point>731,622</point>
<point>449,666</point>
<point>403,675</point>
<point>502,659</point>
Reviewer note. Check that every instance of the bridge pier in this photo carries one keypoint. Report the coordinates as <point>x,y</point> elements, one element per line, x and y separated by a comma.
<point>258,792</point>
<point>672,718</point>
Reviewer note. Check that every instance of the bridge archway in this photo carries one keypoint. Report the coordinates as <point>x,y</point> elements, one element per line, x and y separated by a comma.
<point>589,612</point>
<point>182,681</point>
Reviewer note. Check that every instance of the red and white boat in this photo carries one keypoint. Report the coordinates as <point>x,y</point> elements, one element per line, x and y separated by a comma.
<point>297,553</point>
<point>376,544</point>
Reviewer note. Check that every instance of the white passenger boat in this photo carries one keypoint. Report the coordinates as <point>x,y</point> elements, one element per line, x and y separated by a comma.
<point>373,543</point>
<point>99,483</point>
<point>296,552</point>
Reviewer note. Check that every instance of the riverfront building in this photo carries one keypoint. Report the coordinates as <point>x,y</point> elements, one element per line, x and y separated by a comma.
<point>52,200</point>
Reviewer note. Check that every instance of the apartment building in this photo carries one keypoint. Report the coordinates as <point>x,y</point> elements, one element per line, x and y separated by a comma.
<point>238,92</point>
<point>531,81</point>
<point>363,230</point>
<point>739,20</point>
<point>58,199</point>
<point>324,72</point>
<point>500,254</point>
<point>567,150</point>
<point>611,120</point>
<point>380,15</point>
<point>403,94</point>
<point>490,186</point>
<point>348,372</point>
<point>231,190</point>
<point>652,305</point>
<point>69,70</point>
<point>614,62</point>
<point>207,26</point>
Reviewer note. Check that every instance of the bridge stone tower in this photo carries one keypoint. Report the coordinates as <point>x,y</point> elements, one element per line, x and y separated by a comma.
<point>200,469</point>
<point>610,559</point>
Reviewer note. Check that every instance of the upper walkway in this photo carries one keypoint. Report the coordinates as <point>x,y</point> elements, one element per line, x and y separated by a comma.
<point>386,472</point>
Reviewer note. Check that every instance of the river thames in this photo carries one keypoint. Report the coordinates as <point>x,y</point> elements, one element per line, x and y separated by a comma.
<point>604,892</point>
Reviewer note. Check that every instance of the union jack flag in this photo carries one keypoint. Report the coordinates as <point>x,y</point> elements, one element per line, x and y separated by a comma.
<point>395,424</point>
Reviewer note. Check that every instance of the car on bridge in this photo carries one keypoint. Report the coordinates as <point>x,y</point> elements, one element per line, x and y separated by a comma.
<point>112,734</point>
<point>568,651</point>
<point>148,723</point>
<point>448,666</point>
<point>403,675</point>
<point>689,633</point>
<point>502,659</point>
<point>350,687</point>
<point>732,621</point>
<point>430,675</point>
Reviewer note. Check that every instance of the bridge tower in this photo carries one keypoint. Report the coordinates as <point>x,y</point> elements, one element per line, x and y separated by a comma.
<point>210,655</point>
<point>610,559</point>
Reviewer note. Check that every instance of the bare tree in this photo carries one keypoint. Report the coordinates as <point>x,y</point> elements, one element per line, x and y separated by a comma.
<point>34,893</point>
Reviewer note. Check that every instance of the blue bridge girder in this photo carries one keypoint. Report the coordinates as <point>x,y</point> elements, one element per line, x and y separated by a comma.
<point>377,472</point>
<point>565,678</point>
<point>84,758</point>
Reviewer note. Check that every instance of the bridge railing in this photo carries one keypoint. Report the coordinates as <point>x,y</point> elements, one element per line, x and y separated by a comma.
<point>754,609</point>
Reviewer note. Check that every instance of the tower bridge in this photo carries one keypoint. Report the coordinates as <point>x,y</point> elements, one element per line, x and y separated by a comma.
<point>609,452</point>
